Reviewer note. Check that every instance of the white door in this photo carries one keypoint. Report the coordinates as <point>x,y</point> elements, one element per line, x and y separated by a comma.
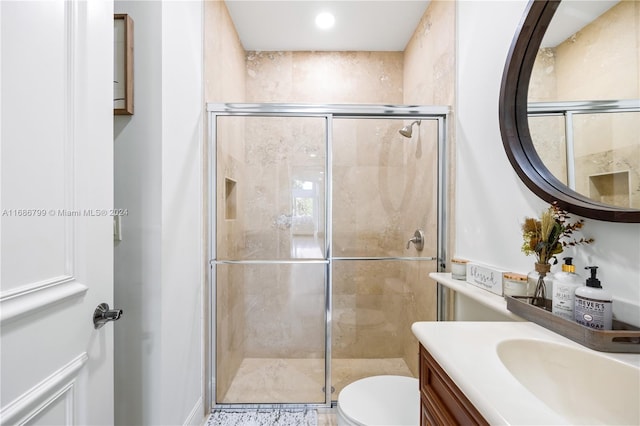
<point>56,229</point>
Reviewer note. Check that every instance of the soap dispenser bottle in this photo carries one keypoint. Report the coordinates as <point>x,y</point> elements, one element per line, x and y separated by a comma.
<point>565,284</point>
<point>593,304</point>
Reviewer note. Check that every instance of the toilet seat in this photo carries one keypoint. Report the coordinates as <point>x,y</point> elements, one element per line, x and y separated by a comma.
<point>381,401</point>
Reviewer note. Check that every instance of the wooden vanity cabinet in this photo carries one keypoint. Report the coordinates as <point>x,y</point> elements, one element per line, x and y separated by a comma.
<point>441,401</point>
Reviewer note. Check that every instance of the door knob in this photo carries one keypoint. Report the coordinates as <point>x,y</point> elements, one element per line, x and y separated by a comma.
<point>103,315</point>
<point>417,240</point>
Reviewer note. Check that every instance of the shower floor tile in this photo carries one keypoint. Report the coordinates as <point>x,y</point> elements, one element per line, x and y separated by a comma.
<point>276,380</point>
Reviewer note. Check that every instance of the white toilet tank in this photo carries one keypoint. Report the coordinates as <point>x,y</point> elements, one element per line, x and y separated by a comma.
<point>380,401</point>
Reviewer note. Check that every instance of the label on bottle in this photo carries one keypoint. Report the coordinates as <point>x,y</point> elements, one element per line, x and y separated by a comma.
<point>563,300</point>
<point>596,314</point>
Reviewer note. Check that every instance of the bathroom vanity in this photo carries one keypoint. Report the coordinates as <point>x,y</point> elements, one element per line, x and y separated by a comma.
<point>521,373</point>
<point>510,371</point>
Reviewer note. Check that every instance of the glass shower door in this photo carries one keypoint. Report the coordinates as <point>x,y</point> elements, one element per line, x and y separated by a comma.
<point>385,187</point>
<point>270,265</point>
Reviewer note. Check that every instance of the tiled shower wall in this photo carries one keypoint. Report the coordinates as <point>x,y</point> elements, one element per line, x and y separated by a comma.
<point>429,79</point>
<point>377,220</point>
<point>225,82</point>
<point>230,228</point>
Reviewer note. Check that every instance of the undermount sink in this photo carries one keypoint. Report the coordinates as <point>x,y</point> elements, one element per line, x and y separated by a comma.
<point>580,385</point>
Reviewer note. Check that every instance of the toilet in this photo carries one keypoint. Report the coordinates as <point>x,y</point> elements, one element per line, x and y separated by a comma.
<point>381,401</point>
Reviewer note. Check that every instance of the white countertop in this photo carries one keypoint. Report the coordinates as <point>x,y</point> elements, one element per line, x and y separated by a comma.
<point>467,352</point>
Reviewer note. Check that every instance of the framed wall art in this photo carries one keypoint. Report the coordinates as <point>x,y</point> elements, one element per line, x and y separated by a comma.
<point>122,64</point>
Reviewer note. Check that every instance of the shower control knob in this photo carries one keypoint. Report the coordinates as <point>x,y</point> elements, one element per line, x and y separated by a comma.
<point>103,315</point>
<point>417,240</point>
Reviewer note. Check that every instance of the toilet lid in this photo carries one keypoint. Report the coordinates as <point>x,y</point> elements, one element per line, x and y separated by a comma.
<point>382,400</point>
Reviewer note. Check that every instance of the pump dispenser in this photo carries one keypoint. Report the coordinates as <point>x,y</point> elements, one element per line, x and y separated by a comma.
<point>593,304</point>
<point>565,284</point>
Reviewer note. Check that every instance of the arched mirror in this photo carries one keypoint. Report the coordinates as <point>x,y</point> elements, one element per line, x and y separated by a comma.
<point>570,109</point>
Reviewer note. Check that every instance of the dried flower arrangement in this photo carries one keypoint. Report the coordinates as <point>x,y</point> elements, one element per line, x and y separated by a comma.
<point>547,237</point>
<point>544,237</point>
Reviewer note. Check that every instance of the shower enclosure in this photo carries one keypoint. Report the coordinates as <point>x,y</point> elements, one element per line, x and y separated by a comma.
<point>316,274</point>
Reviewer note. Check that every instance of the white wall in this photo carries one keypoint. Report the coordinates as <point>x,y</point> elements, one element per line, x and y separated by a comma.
<point>182,212</point>
<point>137,174</point>
<point>491,201</point>
<point>158,178</point>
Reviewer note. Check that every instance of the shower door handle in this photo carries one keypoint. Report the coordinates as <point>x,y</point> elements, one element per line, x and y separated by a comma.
<point>417,240</point>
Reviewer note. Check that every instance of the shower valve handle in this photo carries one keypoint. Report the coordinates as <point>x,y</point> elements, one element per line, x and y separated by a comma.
<point>417,240</point>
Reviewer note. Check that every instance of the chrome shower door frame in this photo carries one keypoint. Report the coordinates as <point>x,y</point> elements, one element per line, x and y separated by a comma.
<point>329,112</point>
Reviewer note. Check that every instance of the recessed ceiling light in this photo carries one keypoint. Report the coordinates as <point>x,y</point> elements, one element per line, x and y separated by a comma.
<point>325,20</point>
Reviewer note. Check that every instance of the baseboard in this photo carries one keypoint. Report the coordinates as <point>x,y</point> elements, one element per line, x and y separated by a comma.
<point>196,416</point>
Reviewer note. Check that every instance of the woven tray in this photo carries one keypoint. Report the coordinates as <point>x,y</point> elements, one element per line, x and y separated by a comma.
<point>624,338</point>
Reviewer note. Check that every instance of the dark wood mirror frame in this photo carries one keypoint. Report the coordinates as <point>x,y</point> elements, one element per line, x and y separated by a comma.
<point>514,124</point>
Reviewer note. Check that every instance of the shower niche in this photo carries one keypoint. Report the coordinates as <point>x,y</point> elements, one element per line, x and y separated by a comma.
<point>230,202</point>
<point>611,188</point>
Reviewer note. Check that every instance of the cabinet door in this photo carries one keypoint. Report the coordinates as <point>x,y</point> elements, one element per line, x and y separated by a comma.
<point>443,403</point>
<point>425,417</point>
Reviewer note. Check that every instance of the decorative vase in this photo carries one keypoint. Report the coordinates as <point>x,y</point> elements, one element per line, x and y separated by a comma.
<point>536,280</point>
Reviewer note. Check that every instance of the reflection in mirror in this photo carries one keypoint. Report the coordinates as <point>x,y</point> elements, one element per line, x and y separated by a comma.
<point>584,107</point>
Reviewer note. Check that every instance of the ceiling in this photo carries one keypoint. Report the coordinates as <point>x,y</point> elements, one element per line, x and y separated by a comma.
<point>571,17</point>
<point>365,25</point>
<point>361,25</point>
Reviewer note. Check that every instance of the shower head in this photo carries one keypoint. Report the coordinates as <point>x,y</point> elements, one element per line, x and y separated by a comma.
<point>407,130</point>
